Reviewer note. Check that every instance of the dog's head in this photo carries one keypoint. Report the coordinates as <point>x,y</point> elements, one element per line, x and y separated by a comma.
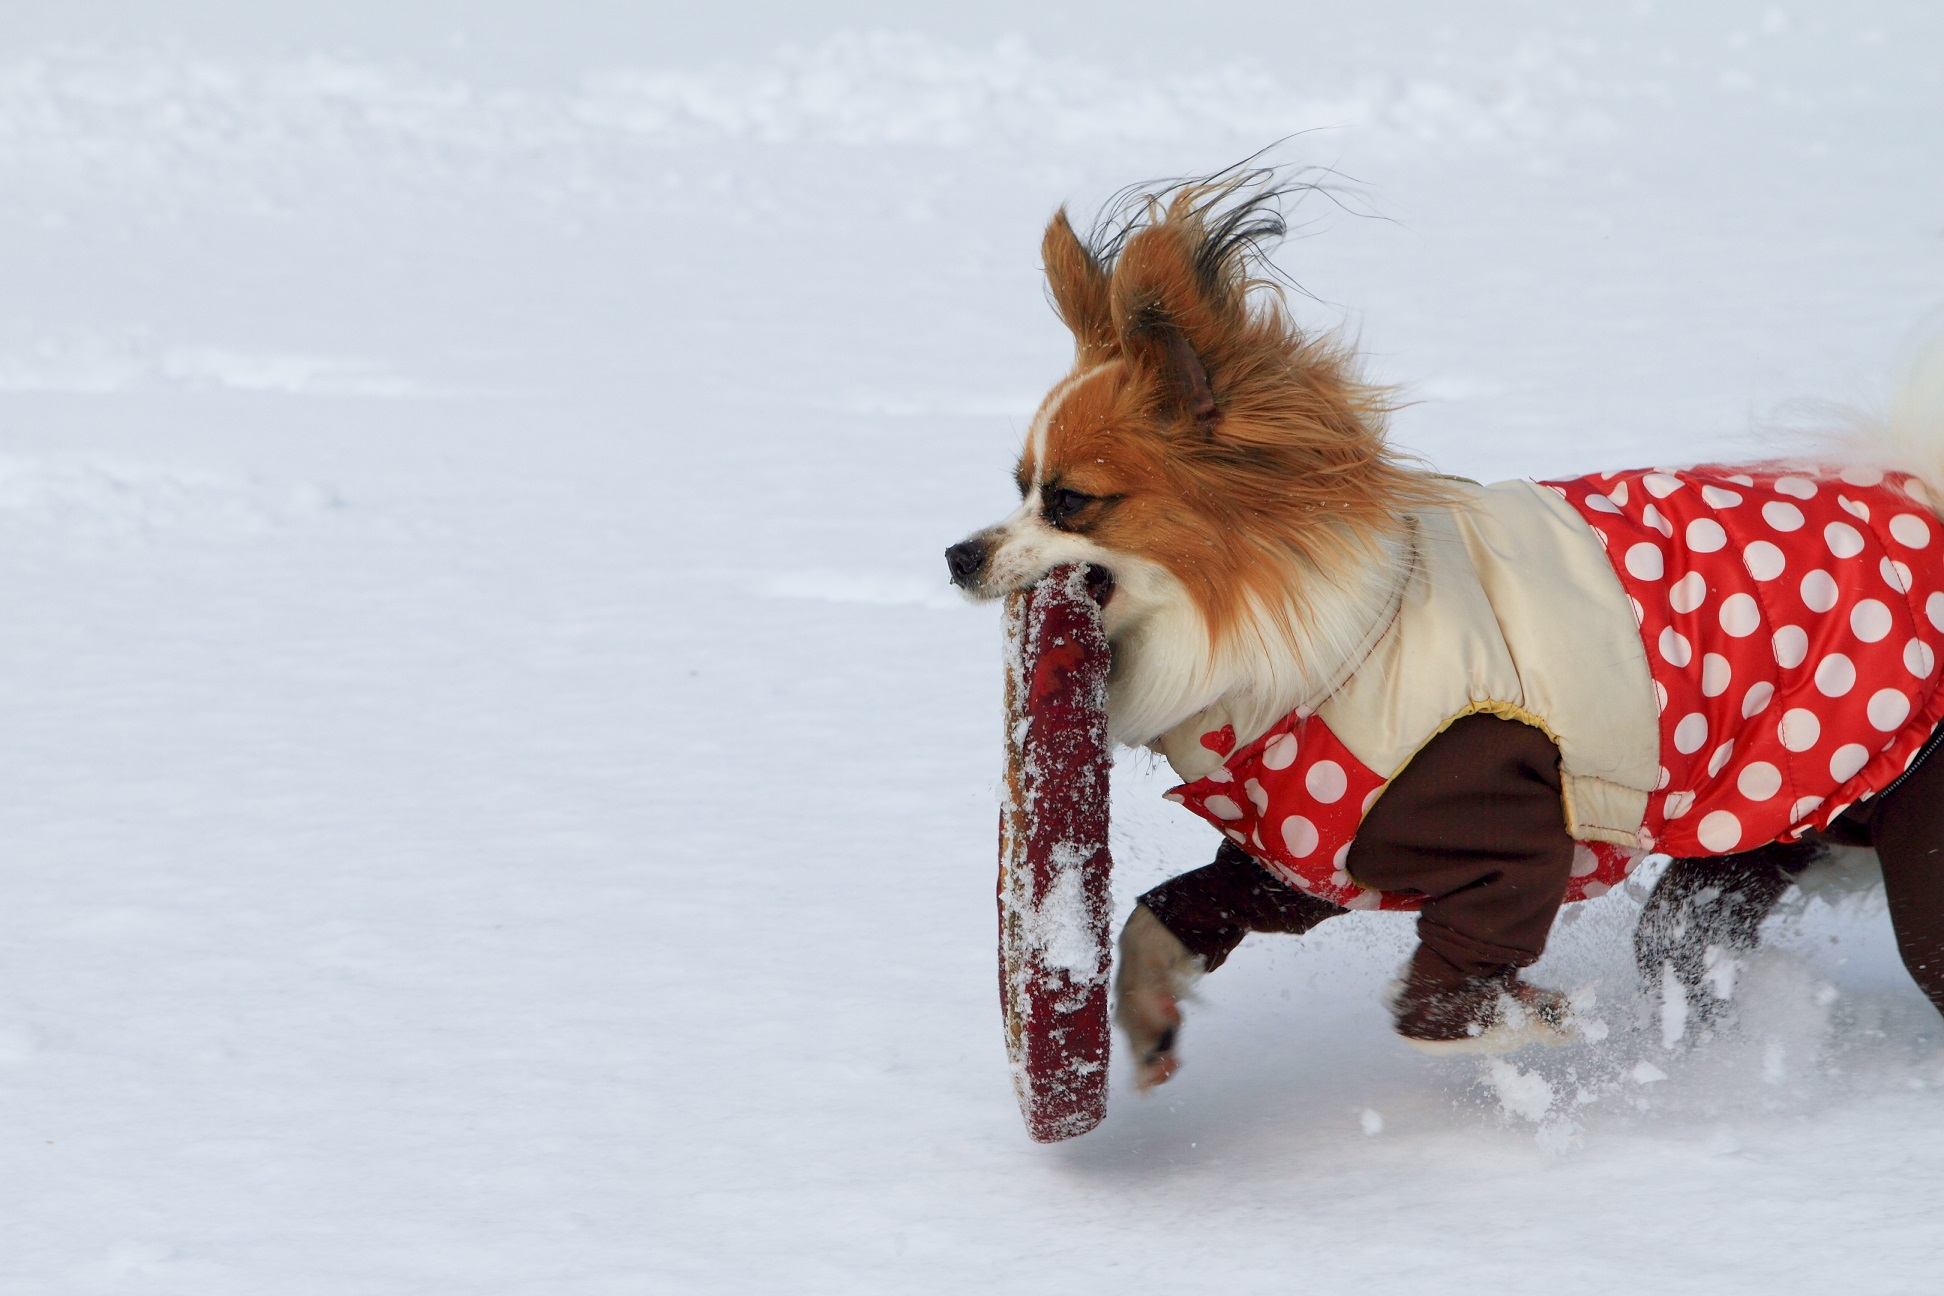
<point>1215,461</point>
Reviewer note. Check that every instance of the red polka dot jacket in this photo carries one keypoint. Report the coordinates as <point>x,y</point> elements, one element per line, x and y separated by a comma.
<point>1792,621</point>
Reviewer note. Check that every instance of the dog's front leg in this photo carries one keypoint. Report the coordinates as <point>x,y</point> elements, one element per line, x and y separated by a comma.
<point>1186,927</point>
<point>1155,973</point>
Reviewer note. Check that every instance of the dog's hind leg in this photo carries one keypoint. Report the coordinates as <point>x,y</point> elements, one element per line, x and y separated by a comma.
<point>1185,928</point>
<point>1906,825</point>
<point>1712,903</point>
<point>1720,901</point>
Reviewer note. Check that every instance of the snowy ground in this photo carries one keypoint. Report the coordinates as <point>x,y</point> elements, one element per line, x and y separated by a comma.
<point>501,801</point>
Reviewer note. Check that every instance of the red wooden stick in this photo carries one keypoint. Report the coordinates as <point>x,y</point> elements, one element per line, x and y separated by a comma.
<point>1054,898</point>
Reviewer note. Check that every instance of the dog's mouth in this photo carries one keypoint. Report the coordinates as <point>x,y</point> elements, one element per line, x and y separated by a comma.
<point>1100,584</point>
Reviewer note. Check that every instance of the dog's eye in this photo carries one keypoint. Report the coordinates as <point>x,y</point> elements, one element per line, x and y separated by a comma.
<point>1063,505</point>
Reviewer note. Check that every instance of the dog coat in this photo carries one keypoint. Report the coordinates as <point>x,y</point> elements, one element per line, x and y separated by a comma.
<point>1723,657</point>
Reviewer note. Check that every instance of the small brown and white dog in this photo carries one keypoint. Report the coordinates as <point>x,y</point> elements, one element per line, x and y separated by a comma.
<point>1229,473</point>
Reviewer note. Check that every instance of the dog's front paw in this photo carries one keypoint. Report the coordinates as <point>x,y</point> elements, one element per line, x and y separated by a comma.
<point>1487,1014</point>
<point>1155,972</point>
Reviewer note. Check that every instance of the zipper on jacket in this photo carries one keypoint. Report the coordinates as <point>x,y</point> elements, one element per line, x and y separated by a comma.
<point>1924,753</point>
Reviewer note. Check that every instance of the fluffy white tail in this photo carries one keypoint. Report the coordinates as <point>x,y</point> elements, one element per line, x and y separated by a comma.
<point>1913,438</point>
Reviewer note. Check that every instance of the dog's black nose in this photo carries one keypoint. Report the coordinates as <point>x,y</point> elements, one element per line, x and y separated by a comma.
<point>965,560</point>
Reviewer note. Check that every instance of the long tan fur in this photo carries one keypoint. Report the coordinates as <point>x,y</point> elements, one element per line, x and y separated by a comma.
<point>1227,458</point>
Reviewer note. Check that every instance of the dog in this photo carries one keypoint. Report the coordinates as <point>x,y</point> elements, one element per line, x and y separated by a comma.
<point>1392,689</point>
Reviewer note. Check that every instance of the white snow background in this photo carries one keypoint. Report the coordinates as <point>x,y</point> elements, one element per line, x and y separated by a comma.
<point>499,798</point>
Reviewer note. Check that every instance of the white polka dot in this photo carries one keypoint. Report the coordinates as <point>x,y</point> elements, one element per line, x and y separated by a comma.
<point>1704,535</point>
<point>1798,487</point>
<point>1782,516</point>
<point>1370,798</point>
<point>1677,804</point>
<point>1846,760</point>
<point>1601,504</point>
<point>1791,646</point>
<point>1855,508</point>
<point>1585,862</point>
<point>1619,492</point>
<point>1919,660</point>
<point>1819,590</point>
<point>1281,753</point>
<point>1257,797</point>
<point>1716,675</point>
<point>1640,613</point>
<point>1844,540</point>
<point>1326,781</point>
<point>1175,797</point>
<point>1895,574</point>
<point>1365,900</point>
<point>1759,781</point>
<point>1221,774</point>
<point>1644,561</point>
<point>1653,518</point>
<point>1720,757</point>
<point>1910,531</point>
<point>1802,809</point>
<point>1756,700</point>
<point>1660,485</point>
<point>1835,675</point>
<point>1739,615</point>
<point>1660,696</point>
<point>1299,836</point>
<point>1740,479</point>
<point>1674,647</point>
<point>1690,733</point>
<point>1720,832</point>
<point>1720,498</point>
<point>1235,835</point>
<point>1763,560</point>
<point>1888,709</point>
<point>1859,476</point>
<point>1687,593</point>
<point>1799,729</point>
<point>1223,807</point>
<point>1661,782</point>
<point>1870,620</point>
<point>1934,609</point>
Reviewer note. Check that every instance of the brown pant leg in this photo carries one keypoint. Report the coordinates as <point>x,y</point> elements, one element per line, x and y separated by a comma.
<point>1212,908</point>
<point>1475,823</point>
<point>1907,826</point>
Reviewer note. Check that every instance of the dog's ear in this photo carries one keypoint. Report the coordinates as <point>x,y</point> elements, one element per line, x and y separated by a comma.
<point>1174,318</point>
<point>1156,341</point>
<point>1079,288</point>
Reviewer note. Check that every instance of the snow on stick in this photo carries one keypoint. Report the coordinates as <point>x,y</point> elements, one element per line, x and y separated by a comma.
<point>1054,899</point>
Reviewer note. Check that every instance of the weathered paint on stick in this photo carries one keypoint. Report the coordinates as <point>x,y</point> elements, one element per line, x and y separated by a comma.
<point>1054,895</point>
